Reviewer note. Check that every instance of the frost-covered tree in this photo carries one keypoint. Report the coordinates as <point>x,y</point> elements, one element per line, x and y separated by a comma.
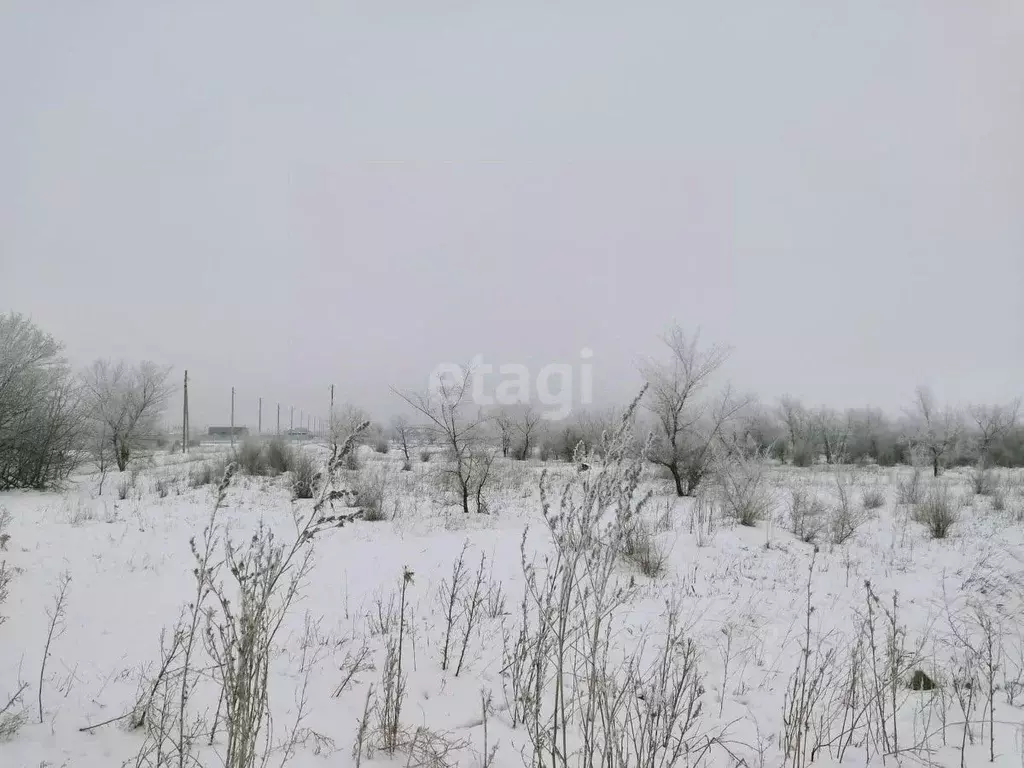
<point>125,403</point>
<point>449,420</point>
<point>993,422</point>
<point>689,423</point>
<point>41,424</point>
<point>934,430</point>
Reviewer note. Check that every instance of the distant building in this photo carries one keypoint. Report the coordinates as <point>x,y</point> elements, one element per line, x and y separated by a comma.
<point>226,431</point>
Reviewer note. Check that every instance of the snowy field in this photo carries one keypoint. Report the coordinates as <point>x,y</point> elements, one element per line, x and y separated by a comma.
<point>940,680</point>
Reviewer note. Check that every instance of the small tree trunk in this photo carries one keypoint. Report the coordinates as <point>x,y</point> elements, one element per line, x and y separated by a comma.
<point>677,478</point>
<point>935,465</point>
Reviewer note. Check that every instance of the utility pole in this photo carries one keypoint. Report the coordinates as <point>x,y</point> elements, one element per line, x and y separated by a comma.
<point>291,418</point>
<point>232,418</point>
<point>184,419</point>
<point>279,418</point>
<point>259,423</point>
<point>331,417</point>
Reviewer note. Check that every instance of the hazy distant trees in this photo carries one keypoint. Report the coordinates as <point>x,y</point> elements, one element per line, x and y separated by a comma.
<point>517,427</point>
<point>833,432</point>
<point>993,423</point>
<point>125,402</point>
<point>688,423</point>
<point>934,430</point>
<point>505,423</point>
<point>446,411</point>
<point>41,422</point>
<point>800,431</point>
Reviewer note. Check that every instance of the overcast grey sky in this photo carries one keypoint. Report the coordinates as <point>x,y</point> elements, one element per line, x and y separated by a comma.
<point>281,196</point>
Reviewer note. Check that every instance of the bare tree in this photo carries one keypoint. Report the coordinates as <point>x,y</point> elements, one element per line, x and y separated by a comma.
<point>833,430</point>
<point>993,422</point>
<point>517,429</point>
<point>402,432</point>
<point>870,435</point>
<point>40,408</point>
<point>799,428</point>
<point>528,426</point>
<point>126,402</point>
<point>688,425</point>
<point>505,421</point>
<point>934,430</point>
<point>465,471</point>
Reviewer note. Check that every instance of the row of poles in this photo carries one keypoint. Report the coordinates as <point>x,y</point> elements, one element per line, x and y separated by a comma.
<point>314,425</point>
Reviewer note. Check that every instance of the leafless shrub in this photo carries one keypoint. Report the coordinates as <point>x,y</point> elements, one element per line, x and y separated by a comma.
<point>559,681</point>
<point>874,498</point>
<point>13,715</point>
<point>743,489</point>
<point>807,515</point>
<point>267,577</point>
<point>471,609</point>
<point>806,690</point>
<point>494,600</point>
<point>910,490</point>
<point>486,710</point>
<point>251,459</point>
<point>304,476</point>
<point>5,522</point>
<point>238,641</point>
<point>983,481</point>
<point>56,628</point>
<point>425,455</point>
<point>381,446</point>
<point>353,462</point>
<point>371,494</point>
<point>662,707</point>
<point>166,742</point>
<point>702,519</point>
<point>641,548</point>
<point>393,681</point>
<point>123,489</point>
<point>939,511</point>
<point>355,663</point>
<point>362,746</point>
<point>279,455</point>
<point>844,517</point>
<point>208,473</point>
<point>162,486</point>
<point>449,594</point>
<point>999,499</point>
<point>383,620</point>
<point>888,666</point>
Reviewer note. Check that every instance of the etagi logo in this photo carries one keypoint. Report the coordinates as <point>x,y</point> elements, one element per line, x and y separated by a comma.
<point>515,384</point>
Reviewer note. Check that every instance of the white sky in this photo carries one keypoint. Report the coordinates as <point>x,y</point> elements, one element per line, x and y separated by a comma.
<point>281,196</point>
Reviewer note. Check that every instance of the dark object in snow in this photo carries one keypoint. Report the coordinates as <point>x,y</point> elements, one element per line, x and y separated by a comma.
<point>920,681</point>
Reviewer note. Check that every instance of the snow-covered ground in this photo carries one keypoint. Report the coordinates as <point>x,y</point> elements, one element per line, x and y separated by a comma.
<point>743,598</point>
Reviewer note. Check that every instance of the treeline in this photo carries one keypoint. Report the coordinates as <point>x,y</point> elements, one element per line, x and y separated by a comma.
<point>53,418</point>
